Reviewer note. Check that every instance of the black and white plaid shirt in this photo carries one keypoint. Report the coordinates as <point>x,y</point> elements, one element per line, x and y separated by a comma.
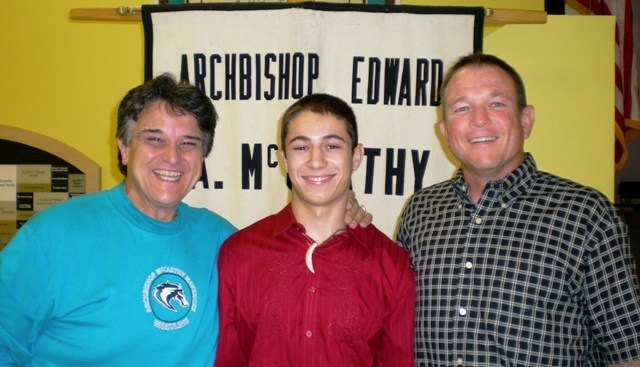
<point>538,273</point>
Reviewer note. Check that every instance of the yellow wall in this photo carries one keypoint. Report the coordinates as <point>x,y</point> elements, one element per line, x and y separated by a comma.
<point>568,69</point>
<point>567,66</point>
<point>64,79</point>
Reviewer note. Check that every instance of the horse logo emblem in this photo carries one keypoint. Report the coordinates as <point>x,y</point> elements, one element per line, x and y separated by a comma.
<point>167,293</point>
<point>171,296</point>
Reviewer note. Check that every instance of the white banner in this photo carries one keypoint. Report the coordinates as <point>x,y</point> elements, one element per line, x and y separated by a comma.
<point>254,60</point>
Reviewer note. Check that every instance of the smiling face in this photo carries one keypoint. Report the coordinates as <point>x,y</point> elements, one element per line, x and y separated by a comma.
<point>483,125</point>
<point>164,160</point>
<point>319,160</point>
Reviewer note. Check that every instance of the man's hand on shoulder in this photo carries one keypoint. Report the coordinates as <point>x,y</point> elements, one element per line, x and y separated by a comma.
<point>357,214</point>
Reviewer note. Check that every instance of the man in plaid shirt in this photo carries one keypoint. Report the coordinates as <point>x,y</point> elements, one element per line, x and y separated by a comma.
<point>514,266</point>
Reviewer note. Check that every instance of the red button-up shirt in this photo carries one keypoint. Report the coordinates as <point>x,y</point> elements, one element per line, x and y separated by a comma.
<point>356,310</point>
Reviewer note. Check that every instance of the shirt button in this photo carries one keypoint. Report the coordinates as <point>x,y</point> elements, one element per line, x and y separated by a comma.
<point>459,206</point>
<point>308,334</point>
<point>478,220</point>
<point>459,362</point>
<point>462,311</point>
<point>312,289</point>
<point>503,205</point>
<point>468,265</point>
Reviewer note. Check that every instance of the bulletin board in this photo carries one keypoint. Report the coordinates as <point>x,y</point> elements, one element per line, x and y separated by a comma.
<point>36,172</point>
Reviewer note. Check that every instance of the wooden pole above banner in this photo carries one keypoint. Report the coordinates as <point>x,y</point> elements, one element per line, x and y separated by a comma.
<point>120,14</point>
<point>492,16</point>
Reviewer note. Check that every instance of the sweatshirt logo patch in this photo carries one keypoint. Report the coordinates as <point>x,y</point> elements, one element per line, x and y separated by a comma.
<point>170,295</point>
<point>166,293</point>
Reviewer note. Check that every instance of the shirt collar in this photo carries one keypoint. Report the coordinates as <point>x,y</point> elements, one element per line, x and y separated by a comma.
<point>285,220</point>
<point>508,188</point>
<point>125,207</point>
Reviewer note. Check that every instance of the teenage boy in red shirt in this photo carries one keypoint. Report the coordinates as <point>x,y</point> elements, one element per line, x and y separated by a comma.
<point>298,288</point>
